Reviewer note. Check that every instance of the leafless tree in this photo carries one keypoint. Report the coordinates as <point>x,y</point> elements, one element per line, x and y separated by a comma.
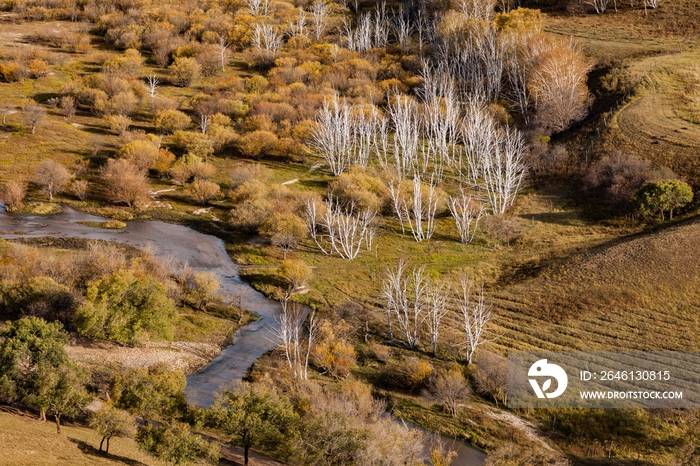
<point>12,194</point>
<point>449,388</point>
<point>7,109</point>
<point>35,115</point>
<point>420,216</point>
<point>52,177</point>
<point>320,16</point>
<point>331,137</point>
<point>80,189</point>
<point>153,83</point>
<point>68,105</point>
<point>475,59</point>
<point>204,123</point>
<point>599,5</point>
<point>478,9</point>
<point>476,315</point>
<point>466,214</point>
<point>344,231</point>
<point>258,7</point>
<point>519,63</point>
<point>649,4</point>
<point>298,25</point>
<point>404,295</point>
<point>266,37</point>
<point>381,25</point>
<point>479,135</point>
<point>413,300</point>
<point>503,170</point>
<point>266,40</point>
<point>436,310</point>
<point>403,29</point>
<point>222,46</point>
<point>295,342</point>
<point>365,122</point>
<point>359,39</point>
<point>441,116</point>
<point>394,186</point>
<point>493,159</point>
<point>407,124</point>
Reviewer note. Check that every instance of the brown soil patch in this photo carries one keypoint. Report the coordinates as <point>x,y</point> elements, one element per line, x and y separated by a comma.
<point>189,357</point>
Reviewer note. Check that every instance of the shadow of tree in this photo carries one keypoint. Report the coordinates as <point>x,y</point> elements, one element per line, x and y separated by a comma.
<point>88,449</point>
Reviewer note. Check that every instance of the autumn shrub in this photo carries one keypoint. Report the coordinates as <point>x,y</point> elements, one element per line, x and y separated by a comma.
<point>410,374</point>
<point>172,120</point>
<point>119,123</point>
<point>333,353</point>
<point>164,162</point>
<point>449,388</point>
<point>184,71</point>
<point>361,189</point>
<point>142,154</point>
<point>203,191</point>
<point>285,231</point>
<point>124,182</point>
<point>505,228</point>
<point>614,179</point>
<point>379,352</point>
<point>242,173</point>
<point>490,374</point>
<point>80,189</point>
<point>257,144</point>
<point>256,203</point>
<point>296,273</point>
<point>12,194</point>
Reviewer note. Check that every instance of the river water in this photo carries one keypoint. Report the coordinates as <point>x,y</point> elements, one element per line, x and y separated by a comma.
<point>202,252</point>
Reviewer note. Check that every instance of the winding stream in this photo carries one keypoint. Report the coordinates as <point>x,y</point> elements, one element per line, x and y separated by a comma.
<point>203,252</point>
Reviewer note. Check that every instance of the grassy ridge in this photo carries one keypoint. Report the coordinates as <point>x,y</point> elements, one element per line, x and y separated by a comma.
<point>27,441</point>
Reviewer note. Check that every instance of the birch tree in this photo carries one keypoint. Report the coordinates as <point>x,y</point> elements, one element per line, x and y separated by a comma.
<point>296,341</point>
<point>320,16</point>
<point>476,317</point>
<point>478,9</point>
<point>404,295</point>
<point>331,137</point>
<point>222,46</point>
<point>599,5</point>
<point>519,63</point>
<point>503,170</point>
<point>267,41</point>
<point>420,215</point>
<point>153,83</point>
<point>345,231</point>
<point>436,310</point>
<point>407,125</point>
<point>467,214</point>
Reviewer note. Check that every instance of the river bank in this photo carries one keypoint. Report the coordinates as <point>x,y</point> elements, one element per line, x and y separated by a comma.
<point>202,252</point>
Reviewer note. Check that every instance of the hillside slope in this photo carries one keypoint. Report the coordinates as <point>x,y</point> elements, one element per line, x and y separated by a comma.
<point>640,292</point>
